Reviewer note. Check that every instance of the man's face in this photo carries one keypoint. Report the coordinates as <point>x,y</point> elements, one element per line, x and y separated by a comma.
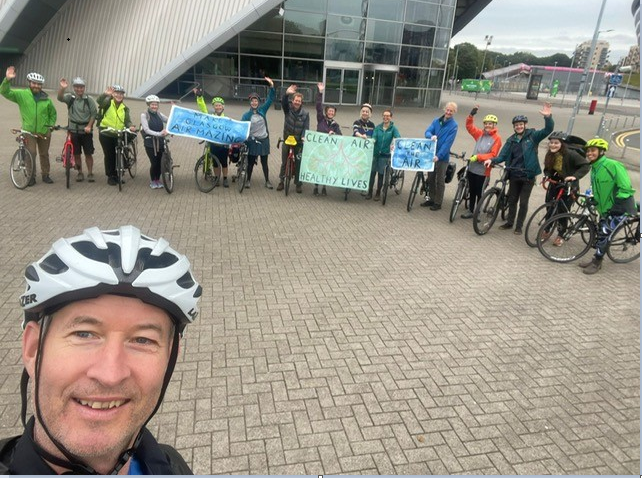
<point>79,90</point>
<point>554,145</point>
<point>592,154</point>
<point>297,101</point>
<point>519,127</point>
<point>35,87</point>
<point>102,369</point>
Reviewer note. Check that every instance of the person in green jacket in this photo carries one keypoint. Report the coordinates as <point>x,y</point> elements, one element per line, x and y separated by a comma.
<point>612,194</point>
<point>220,151</point>
<point>383,135</point>
<point>38,115</point>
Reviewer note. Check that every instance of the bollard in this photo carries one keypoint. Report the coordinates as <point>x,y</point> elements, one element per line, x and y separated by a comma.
<point>626,120</point>
<point>617,121</point>
<point>626,144</point>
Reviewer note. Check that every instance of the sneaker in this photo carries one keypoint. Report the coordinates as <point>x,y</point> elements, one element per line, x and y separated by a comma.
<point>506,226</point>
<point>299,188</point>
<point>593,267</point>
<point>80,178</point>
<point>280,186</point>
<point>324,192</point>
<point>32,182</point>
<point>316,191</point>
<point>467,215</point>
<point>152,184</point>
<point>544,235</point>
<point>427,203</point>
<point>225,183</point>
<point>585,264</point>
<point>558,241</point>
<point>47,179</point>
<point>268,184</point>
<point>112,181</point>
<point>517,231</point>
<point>90,178</point>
<point>377,196</point>
<point>247,185</point>
<point>368,196</point>
<point>435,207</point>
<point>159,184</point>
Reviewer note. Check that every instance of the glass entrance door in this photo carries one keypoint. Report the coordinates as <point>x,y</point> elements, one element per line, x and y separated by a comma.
<point>378,87</point>
<point>342,86</point>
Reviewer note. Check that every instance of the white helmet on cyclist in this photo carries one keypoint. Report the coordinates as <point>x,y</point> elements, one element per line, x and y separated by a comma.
<point>78,81</point>
<point>152,99</point>
<point>118,89</point>
<point>121,261</point>
<point>36,78</point>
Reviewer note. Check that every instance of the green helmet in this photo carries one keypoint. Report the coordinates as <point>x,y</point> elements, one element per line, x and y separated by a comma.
<point>218,99</point>
<point>597,143</point>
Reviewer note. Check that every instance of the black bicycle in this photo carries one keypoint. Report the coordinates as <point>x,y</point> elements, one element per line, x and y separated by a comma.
<point>494,202</point>
<point>167,167</point>
<point>126,154</point>
<point>462,194</point>
<point>392,179</point>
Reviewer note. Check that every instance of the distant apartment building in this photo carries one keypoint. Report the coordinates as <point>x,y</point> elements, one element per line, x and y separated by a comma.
<point>635,11</point>
<point>599,55</point>
<point>633,58</point>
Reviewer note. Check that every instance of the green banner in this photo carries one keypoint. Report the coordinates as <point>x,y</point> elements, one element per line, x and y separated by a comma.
<point>483,86</point>
<point>334,160</point>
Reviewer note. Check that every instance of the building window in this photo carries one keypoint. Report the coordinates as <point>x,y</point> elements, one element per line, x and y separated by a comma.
<point>414,56</point>
<point>259,66</point>
<point>302,70</point>
<point>345,27</point>
<point>418,35</point>
<point>258,43</point>
<point>303,47</point>
<point>383,54</point>
<point>422,13</point>
<point>344,50</point>
<point>344,7</point>
<point>380,31</point>
<point>386,9</point>
<point>302,23</point>
<point>271,22</point>
<point>307,6</point>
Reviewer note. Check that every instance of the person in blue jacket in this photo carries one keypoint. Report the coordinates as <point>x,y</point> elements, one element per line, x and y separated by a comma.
<point>520,154</point>
<point>443,129</point>
<point>258,142</point>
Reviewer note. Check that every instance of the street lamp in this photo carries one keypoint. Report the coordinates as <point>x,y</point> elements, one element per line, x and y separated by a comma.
<point>568,77</point>
<point>488,39</point>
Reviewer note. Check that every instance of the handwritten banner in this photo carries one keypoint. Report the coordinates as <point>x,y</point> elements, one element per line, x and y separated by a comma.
<point>414,154</point>
<point>215,129</point>
<point>334,160</point>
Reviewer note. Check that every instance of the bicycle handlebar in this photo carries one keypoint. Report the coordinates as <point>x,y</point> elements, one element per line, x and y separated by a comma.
<point>23,131</point>
<point>458,156</point>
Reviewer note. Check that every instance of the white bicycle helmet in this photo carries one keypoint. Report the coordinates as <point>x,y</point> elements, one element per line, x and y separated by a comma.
<point>152,99</point>
<point>78,81</point>
<point>118,89</point>
<point>120,261</point>
<point>36,78</point>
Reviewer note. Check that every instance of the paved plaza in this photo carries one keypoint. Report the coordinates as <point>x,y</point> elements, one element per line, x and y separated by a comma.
<point>346,337</point>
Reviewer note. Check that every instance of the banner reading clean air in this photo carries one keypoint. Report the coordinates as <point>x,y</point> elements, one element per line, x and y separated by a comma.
<point>215,129</point>
<point>334,160</point>
<point>414,154</point>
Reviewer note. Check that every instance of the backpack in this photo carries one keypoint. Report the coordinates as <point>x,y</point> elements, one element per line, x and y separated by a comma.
<point>575,143</point>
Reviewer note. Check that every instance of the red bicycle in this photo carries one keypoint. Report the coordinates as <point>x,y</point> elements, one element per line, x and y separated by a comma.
<point>67,156</point>
<point>291,142</point>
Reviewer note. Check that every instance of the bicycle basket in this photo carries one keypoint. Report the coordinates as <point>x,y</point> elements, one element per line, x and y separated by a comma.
<point>450,171</point>
<point>234,153</point>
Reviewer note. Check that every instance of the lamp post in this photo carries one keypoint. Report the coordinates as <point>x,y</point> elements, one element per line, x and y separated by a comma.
<point>568,77</point>
<point>506,81</point>
<point>488,39</point>
<point>578,99</point>
<point>626,88</point>
<point>454,69</point>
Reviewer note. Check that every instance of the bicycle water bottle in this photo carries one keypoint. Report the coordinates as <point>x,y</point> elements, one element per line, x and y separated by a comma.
<point>589,192</point>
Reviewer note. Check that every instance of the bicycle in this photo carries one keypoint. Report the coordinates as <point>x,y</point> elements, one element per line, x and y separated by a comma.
<point>23,168</point>
<point>462,193</point>
<point>206,179</point>
<point>494,202</point>
<point>549,209</point>
<point>126,154</point>
<point>419,185</point>
<point>167,167</point>
<point>291,142</point>
<point>241,167</point>
<point>392,179</point>
<point>67,155</point>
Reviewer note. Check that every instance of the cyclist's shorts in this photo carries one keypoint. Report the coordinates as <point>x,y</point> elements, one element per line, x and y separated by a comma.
<point>220,152</point>
<point>86,141</point>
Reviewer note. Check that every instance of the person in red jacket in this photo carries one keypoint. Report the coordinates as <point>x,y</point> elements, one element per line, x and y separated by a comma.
<point>487,146</point>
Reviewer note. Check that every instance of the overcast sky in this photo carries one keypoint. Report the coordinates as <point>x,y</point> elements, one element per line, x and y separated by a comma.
<point>545,27</point>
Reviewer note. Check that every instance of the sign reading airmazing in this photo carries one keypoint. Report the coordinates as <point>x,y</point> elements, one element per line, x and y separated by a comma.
<point>215,129</point>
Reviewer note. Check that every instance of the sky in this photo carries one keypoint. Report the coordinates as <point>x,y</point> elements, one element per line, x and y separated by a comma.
<point>545,27</point>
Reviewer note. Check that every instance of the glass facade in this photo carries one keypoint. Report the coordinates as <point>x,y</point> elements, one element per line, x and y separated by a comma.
<point>386,52</point>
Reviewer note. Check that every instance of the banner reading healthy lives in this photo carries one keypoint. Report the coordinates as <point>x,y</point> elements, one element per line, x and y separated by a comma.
<point>335,160</point>
<point>414,154</point>
<point>215,129</point>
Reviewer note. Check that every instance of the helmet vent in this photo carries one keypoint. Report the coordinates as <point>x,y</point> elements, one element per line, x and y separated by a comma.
<point>53,265</point>
<point>32,274</point>
<point>91,251</point>
<point>186,281</point>
<point>146,261</point>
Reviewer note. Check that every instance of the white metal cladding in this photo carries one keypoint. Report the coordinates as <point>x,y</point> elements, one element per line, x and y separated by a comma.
<point>140,44</point>
<point>9,11</point>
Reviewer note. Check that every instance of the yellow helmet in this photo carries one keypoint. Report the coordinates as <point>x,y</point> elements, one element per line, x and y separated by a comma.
<point>597,143</point>
<point>491,118</point>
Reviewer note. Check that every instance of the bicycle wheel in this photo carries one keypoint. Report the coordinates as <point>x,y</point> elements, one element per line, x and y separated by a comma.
<point>572,236</point>
<point>487,210</point>
<point>503,207</point>
<point>399,182</point>
<point>387,175</point>
<point>120,168</point>
<point>416,183</point>
<point>624,245</point>
<point>22,168</point>
<point>242,173</point>
<point>535,222</point>
<point>289,170</point>
<point>459,197</point>
<point>131,158</point>
<point>204,176</point>
<point>167,171</point>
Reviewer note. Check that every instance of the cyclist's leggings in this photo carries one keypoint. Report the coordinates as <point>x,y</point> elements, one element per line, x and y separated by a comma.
<point>264,164</point>
<point>604,229</point>
<point>155,160</point>
<point>476,188</point>
<point>108,144</point>
<point>379,181</point>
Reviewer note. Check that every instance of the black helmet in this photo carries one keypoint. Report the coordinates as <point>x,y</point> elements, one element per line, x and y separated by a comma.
<point>520,119</point>
<point>254,95</point>
<point>561,135</point>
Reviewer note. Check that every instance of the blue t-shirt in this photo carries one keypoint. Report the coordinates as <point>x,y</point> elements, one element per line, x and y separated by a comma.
<point>135,467</point>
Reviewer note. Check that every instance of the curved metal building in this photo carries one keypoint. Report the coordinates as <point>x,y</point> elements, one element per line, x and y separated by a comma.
<point>388,52</point>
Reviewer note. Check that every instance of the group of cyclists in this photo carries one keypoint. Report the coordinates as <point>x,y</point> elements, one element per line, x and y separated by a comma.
<point>610,183</point>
